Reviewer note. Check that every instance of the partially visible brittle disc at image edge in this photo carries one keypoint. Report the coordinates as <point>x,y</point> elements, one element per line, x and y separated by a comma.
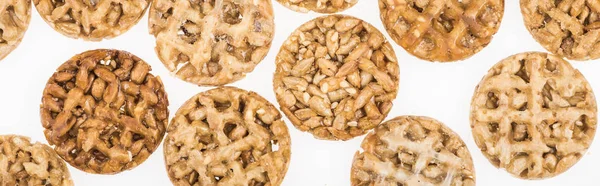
<point>14,21</point>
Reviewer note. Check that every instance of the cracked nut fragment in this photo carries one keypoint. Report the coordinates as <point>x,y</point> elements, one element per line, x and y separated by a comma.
<point>413,150</point>
<point>227,136</point>
<point>534,115</point>
<point>24,163</point>
<point>211,43</point>
<point>104,111</point>
<point>566,28</point>
<point>336,77</point>
<point>321,6</point>
<point>14,21</point>
<point>443,30</point>
<point>92,20</point>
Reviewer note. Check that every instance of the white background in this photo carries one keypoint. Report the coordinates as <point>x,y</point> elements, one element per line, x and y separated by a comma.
<point>439,90</point>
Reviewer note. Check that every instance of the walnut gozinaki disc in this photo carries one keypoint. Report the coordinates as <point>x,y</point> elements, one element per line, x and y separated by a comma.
<point>24,163</point>
<point>533,115</point>
<point>227,136</point>
<point>211,43</point>
<point>410,151</point>
<point>14,20</point>
<point>336,77</point>
<point>321,6</point>
<point>104,111</point>
<point>92,20</point>
<point>442,30</point>
<point>566,28</point>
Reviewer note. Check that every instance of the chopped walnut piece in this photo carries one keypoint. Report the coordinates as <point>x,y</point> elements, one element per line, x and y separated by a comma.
<point>24,163</point>
<point>321,6</point>
<point>442,30</point>
<point>413,150</point>
<point>544,118</point>
<point>341,68</point>
<point>211,43</point>
<point>565,28</point>
<point>227,136</point>
<point>104,111</point>
<point>14,21</point>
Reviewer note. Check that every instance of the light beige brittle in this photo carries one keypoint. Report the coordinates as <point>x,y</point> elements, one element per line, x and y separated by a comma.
<point>442,30</point>
<point>569,28</point>
<point>533,115</point>
<point>321,6</point>
<point>24,163</point>
<point>211,43</point>
<point>411,151</point>
<point>92,20</point>
<point>104,111</point>
<point>227,136</point>
<point>14,20</point>
<point>336,77</point>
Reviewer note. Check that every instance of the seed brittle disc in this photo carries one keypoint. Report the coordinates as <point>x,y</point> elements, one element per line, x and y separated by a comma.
<point>104,111</point>
<point>91,20</point>
<point>24,163</point>
<point>533,115</point>
<point>336,77</point>
<point>227,136</point>
<point>14,21</point>
<point>321,6</point>
<point>410,151</point>
<point>211,43</point>
<point>442,30</point>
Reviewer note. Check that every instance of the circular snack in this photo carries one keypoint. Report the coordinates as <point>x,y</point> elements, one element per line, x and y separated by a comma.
<point>91,20</point>
<point>533,115</point>
<point>211,43</point>
<point>566,28</point>
<point>227,136</point>
<point>23,163</point>
<point>14,20</point>
<point>413,150</point>
<point>321,6</point>
<point>336,77</point>
<point>443,30</point>
<point>104,112</point>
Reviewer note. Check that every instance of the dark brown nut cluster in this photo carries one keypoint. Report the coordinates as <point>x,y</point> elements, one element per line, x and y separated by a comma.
<point>104,111</point>
<point>336,77</point>
<point>211,43</point>
<point>91,20</point>
<point>413,150</point>
<point>321,6</point>
<point>566,28</point>
<point>227,136</point>
<point>23,163</point>
<point>442,30</point>
<point>14,20</point>
<point>533,115</point>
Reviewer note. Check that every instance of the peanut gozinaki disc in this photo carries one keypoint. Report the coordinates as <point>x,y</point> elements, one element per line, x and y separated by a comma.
<point>24,163</point>
<point>92,20</point>
<point>104,111</point>
<point>321,6</point>
<point>413,150</point>
<point>336,77</point>
<point>14,20</point>
<point>442,30</point>
<point>227,136</point>
<point>211,43</point>
<point>566,28</point>
<point>533,115</point>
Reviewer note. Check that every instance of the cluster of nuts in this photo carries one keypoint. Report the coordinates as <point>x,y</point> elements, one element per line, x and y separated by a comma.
<point>336,77</point>
<point>14,20</point>
<point>539,121</point>
<point>322,6</point>
<point>91,20</point>
<point>104,111</point>
<point>23,163</point>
